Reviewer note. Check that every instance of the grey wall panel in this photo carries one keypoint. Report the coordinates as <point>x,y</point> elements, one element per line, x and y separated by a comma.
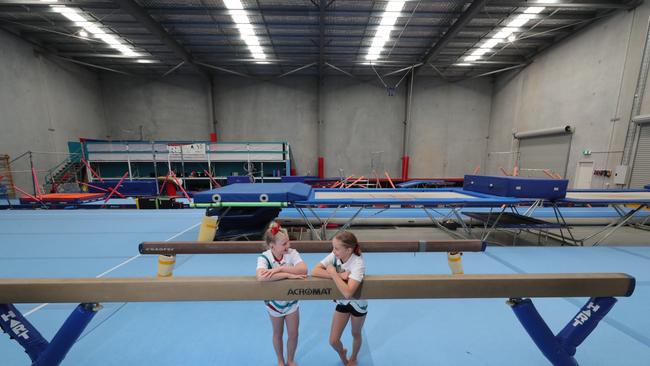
<point>277,110</point>
<point>359,119</point>
<point>173,108</point>
<point>449,127</point>
<point>44,103</point>
<point>578,82</point>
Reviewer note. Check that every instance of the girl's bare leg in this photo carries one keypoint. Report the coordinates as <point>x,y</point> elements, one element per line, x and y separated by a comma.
<point>339,321</point>
<point>278,329</point>
<point>357,324</point>
<point>293,321</point>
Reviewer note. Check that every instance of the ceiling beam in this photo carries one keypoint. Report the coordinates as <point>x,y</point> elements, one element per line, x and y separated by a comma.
<point>139,14</point>
<point>574,4</point>
<point>300,13</point>
<point>453,31</point>
<point>321,37</point>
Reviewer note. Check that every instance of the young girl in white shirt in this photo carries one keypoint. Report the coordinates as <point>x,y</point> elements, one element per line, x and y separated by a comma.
<point>345,266</point>
<point>280,262</point>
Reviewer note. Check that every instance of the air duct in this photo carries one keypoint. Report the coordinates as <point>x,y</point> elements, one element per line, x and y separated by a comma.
<point>560,130</point>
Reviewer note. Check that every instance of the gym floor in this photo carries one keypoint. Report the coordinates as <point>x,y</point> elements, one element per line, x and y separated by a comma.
<point>103,243</point>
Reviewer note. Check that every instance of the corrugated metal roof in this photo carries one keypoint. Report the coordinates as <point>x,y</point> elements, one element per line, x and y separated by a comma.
<point>290,34</point>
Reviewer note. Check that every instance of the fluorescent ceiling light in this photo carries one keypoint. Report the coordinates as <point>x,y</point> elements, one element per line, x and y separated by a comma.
<point>463,64</point>
<point>388,19</point>
<point>78,17</point>
<point>519,20</point>
<point>75,17</point>
<point>93,29</point>
<point>480,52</point>
<point>256,49</point>
<point>490,43</point>
<point>374,50</point>
<point>240,18</point>
<point>384,31</point>
<point>246,30</point>
<point>252,41</point>
<point>382,35</point>
<point>378,42</point>
<point>505,32</point>
<point>62,9</point>
<point>145,61</point>
<point>108,38</point>
<point>233,4</point>
<point>395,5</point>
<point>534,10</point>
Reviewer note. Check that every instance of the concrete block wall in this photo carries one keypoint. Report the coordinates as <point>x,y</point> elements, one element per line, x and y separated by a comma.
<point>44,103</point>
<point>170,108</point>
<point>586,81</point>
<point>275,110</point>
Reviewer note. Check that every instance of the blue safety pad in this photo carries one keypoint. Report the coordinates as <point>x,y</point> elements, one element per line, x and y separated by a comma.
<point>471,199</point>
<point>129,188</point>
<point>613,200</point>
<point>3,191</point>
<point>549,189</point>
<point>416,182</point>
<point>251,192</point>
<point>647,186</point>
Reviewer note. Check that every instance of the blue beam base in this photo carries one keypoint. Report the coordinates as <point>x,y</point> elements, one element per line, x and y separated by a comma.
<point>66,337</point>
<point>584,322</point>
<point>541,333</point>
<point>22,331</point>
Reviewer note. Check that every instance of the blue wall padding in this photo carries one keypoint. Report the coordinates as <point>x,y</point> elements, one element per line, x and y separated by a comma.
<point>517,186</point>
<point>584,322</point>
<point>3,191</point>
<point>251,192</point>
<point>541,334</point>
<point>129,188</point>
<point>13,323</point>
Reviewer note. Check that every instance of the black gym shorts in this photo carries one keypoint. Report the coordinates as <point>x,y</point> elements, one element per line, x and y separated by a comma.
<point>349,309</point>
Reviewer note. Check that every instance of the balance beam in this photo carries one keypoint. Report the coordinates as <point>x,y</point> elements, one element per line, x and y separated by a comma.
<point>309,246</point>
<point>98,290</point>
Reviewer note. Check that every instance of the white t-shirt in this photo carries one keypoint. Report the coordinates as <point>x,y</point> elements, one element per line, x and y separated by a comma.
<point>357,269</point>
<point>266,260</point>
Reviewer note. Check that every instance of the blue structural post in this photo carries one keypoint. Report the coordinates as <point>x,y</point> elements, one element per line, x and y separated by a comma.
<point>540,333</point>
<point>584,322</point>
<point>14,323</point>
<point>67,335</point>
